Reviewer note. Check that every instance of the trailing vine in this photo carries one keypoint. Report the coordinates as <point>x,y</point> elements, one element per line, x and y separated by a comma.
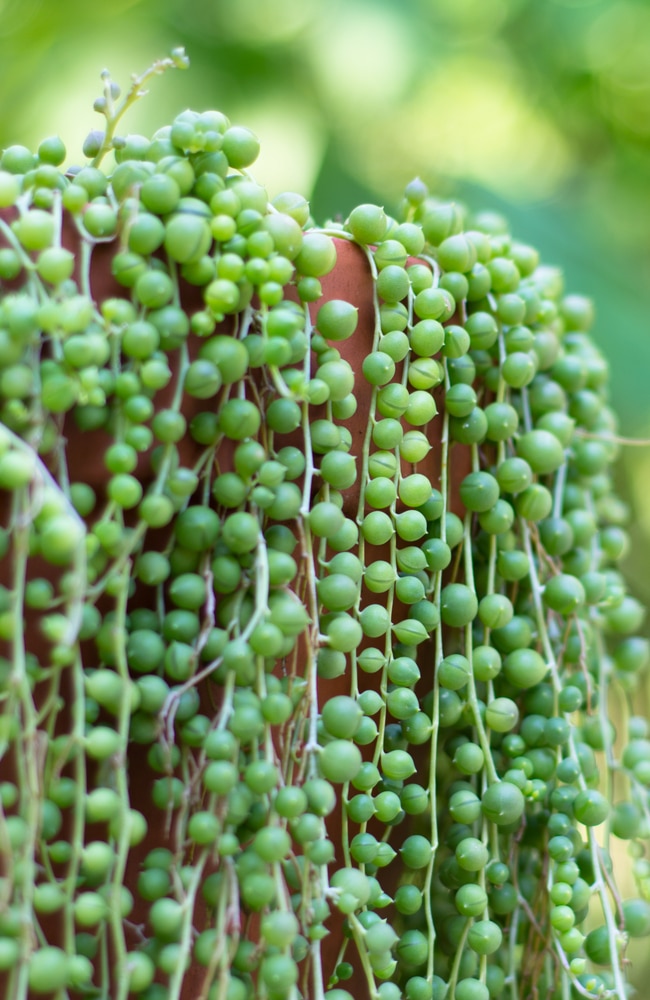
<point>331,580</point>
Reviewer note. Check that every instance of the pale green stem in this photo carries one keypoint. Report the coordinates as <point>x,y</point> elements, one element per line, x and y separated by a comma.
<point>78,824</point>
<point>28,752</point>
<point>113,114</point>
<point>435,711</point>
<point>472,696</point>
<point>120,778</point>
<point>358,934</point>
<point>185,943</point>
<point>455,967</point>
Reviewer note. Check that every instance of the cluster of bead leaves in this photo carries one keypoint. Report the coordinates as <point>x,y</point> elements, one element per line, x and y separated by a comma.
<point>451,812</point>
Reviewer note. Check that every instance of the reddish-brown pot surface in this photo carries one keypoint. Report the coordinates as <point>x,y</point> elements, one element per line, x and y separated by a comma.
<point>350,280</point>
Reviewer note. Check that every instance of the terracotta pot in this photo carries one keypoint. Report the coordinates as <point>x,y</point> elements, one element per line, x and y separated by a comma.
<point>350,280</point>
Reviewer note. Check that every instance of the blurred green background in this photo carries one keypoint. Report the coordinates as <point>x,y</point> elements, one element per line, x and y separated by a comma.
<point>538,108</point>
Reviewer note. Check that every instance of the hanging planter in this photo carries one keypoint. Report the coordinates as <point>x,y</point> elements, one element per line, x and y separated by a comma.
<point>310,608</point>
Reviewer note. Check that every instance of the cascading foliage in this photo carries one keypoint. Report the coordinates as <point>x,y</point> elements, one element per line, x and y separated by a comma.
<point>382,722</point>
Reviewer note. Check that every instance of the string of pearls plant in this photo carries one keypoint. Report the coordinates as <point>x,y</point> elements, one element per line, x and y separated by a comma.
<point>388,721</point>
